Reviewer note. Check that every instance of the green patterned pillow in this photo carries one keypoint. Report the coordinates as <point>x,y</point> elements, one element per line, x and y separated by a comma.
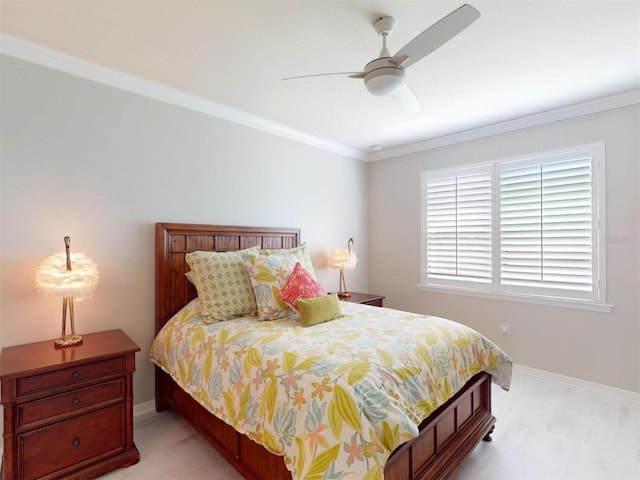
<point>268,274</point>
<point>223,284</point>
<point>313,311</point>
<point>302,252</point>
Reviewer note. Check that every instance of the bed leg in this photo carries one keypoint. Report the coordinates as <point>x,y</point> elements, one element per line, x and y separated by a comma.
<point>162,405</point>
<point>487,437</point>
<point>161,402</point>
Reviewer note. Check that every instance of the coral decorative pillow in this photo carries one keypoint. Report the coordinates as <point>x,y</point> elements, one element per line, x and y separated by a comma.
<point>222,283</point>
<point>268,274</point>
<point>300,284</point>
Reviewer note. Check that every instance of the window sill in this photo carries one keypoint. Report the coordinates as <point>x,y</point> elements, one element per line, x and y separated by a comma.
<point>512,297</point>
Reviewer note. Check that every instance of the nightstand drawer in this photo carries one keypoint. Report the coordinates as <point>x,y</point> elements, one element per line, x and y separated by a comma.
<point>76,442</point>
<point>70,376</point>
<point>39,412</point>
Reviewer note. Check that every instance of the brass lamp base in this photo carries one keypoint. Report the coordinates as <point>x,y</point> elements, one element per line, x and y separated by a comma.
<point>343,286</point>
<point>67,341</point>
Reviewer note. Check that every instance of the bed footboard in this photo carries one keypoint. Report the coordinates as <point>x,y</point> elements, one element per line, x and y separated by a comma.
<point>446,437</point>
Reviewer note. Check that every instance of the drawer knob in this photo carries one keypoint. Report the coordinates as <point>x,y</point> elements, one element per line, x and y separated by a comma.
<point>76,401</point>
<point>76,374</point>
<point>76,442</point>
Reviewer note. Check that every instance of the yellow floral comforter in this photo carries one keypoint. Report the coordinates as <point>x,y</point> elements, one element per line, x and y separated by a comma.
<point>335,399</point>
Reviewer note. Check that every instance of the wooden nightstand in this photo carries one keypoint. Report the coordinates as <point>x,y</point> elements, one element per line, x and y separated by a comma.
<point>364,298</point>
<point>68,412</point>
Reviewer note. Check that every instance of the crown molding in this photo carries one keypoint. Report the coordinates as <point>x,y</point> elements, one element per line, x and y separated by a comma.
<point>599,105</point>
<point>31,52</point>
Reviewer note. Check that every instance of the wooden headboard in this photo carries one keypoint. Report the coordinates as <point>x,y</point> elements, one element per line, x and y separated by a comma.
<point>174,240</point>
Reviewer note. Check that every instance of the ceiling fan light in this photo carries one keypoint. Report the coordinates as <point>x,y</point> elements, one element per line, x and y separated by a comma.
<point>383,82</point>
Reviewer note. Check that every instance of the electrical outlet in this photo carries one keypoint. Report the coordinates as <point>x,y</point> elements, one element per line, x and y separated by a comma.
<point>506,329</point>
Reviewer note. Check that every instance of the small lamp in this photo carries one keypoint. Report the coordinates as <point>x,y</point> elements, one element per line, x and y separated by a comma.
<point>343,258</point>
<point>67,275</point>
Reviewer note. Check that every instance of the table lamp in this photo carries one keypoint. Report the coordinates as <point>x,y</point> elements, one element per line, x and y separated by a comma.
<point>68,276</point>
<point>342,258</point>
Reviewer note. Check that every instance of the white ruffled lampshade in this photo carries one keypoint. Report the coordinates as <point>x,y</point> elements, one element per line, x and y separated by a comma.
<point>342,258</point>
<point>53,278</point>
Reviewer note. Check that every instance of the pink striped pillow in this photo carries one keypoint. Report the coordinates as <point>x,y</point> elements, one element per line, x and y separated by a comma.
<point>300,284</point>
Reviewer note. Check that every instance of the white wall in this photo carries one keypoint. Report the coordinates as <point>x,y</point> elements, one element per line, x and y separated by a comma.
<point>598,347</point>
<point>103,165</point>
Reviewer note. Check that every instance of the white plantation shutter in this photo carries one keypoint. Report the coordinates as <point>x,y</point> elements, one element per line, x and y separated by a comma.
<point>546,225</point>
<point>457,226</point>
<point>531,227</point>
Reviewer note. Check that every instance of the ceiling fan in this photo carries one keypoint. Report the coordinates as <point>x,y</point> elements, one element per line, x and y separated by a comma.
<point>385,76</point>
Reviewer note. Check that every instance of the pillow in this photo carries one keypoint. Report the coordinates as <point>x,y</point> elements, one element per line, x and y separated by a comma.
<point>222,283</point>
<point>300,284</point>
<point>302,252</point>
<point>191,277</point>
<point>313,311</point>
<point>268,274</point>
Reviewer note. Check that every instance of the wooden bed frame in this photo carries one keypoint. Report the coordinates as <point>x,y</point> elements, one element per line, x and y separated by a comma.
<point>446,437</point>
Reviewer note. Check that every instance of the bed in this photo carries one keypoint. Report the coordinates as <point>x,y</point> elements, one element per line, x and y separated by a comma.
<point>442,441</point>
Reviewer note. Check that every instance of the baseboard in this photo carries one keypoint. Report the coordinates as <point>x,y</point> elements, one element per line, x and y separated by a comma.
<point>143,411</point>
<point>578,383</point>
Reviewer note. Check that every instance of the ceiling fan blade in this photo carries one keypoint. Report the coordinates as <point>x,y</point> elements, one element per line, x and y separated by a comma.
<point>406,98</point>
<point>436,35</point>
<point>323,77</point>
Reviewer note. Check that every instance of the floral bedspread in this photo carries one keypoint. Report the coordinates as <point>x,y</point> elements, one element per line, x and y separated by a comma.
<point>335,399</point>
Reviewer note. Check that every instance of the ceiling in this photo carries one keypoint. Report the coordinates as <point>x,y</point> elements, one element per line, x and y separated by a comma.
<point>520,58</point>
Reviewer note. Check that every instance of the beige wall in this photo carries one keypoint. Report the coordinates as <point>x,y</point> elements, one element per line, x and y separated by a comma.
<point>103,165</point>
<point>598,347</point>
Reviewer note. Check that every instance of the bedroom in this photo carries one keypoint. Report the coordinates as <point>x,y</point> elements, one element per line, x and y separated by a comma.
<point>103,164</point>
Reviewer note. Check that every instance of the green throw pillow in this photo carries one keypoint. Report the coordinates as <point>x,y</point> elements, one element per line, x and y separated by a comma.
<point>319,309</point>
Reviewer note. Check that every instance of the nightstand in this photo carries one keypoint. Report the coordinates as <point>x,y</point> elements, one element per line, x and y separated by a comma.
<point>68,412</point>
<point>364,298</point>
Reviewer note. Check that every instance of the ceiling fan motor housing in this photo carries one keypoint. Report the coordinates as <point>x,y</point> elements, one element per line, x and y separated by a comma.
<point>382,77</point>
<point>384,25</point>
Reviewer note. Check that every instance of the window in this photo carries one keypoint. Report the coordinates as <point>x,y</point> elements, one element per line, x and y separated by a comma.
<point>525,228</point>
<point>458,226</point>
